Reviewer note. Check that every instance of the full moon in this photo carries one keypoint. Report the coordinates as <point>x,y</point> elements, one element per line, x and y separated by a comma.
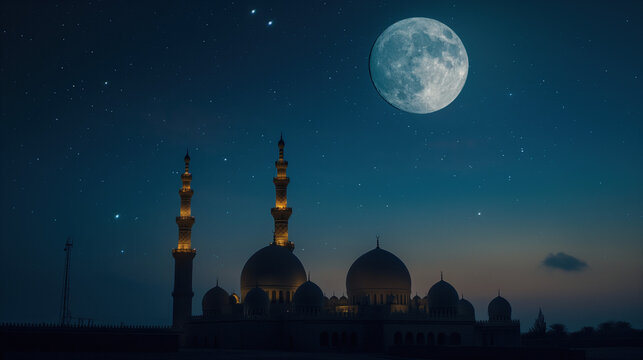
<point>418,65</point>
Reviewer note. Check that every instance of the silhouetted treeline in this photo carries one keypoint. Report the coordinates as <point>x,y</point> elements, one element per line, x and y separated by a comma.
<point>607,334</point>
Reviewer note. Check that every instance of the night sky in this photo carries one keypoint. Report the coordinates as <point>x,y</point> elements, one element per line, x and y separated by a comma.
<point>529,182</point>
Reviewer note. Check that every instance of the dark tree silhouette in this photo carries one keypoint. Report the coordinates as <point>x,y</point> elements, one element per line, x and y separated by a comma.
<point>614,328</point>
<point>558,330</point>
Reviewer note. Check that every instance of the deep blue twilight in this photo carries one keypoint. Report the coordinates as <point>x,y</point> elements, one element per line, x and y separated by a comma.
<point>528,182</point>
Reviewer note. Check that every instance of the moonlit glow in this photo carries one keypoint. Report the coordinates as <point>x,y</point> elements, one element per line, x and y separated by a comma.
<point>117,216</point>
<point>270,23</point>
<point>419,65</point>
<point>253,11</point>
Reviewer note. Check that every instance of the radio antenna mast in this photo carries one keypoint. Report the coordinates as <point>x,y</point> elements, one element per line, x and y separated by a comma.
<point>65,315</point>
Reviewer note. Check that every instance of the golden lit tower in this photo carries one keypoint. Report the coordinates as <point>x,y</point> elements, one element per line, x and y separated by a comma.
<point>184,253</point>
<point>281,212</point>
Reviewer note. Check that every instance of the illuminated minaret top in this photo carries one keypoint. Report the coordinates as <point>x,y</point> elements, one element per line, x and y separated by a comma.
<point>185,220</point>
<point>281,212</point>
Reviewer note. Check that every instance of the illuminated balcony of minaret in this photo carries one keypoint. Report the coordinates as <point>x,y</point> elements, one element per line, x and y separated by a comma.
<point>184,249</point>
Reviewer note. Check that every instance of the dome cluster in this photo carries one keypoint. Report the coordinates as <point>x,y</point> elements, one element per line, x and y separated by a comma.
<point>376,280</point>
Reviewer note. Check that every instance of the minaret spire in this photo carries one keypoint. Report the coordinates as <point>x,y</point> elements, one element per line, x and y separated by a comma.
<point>184,253</point>
<point>281,212</point>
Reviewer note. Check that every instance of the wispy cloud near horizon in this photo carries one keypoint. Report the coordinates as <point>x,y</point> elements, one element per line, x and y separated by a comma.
<point>565,262</point>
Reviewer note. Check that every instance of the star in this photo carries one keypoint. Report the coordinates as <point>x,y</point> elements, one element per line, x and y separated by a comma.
<point>117,216</point>
<point>253,11</point>
<point>270,23</point>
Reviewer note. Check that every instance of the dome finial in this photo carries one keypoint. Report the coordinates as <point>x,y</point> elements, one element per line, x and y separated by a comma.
<point>308,275</point>
<point>441,276</point>
<point>498,291</point>
<point>377,239</point>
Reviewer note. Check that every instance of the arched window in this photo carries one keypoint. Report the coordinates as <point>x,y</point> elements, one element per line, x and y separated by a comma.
<point>353,339</point>
<point>442,339</point>
<point>419,338</point>
<point>344,339</point>
<point>454,339</point>
<point>381,298</point>
<point>287,296</point>
<point>430,339</point>
<point>334,340</point>
<point>408,340</point>
<point>274,296</point>
<point>397,298</point>
<point>215,343</point>
<point>397,338</point>
<point>323,339</point>
<point>281,297</point>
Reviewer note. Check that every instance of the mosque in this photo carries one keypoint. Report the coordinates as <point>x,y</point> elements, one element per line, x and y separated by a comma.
<point>280,308</point>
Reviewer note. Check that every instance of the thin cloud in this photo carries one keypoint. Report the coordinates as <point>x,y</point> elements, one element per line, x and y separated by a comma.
<point>562,261</point>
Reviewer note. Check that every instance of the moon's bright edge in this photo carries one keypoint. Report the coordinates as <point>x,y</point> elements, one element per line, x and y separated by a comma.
<point>419,65</point>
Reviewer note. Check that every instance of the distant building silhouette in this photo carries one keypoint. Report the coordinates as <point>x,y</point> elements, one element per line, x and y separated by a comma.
<point>540,326</point>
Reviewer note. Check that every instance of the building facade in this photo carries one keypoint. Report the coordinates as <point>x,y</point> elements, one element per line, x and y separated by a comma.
<point>280,308</point>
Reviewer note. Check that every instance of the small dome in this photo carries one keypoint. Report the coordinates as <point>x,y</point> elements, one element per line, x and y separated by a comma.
<point>378,271</point>
<point>466,310</point>
<point>442,300</point>
<point>442,295</point>
<point>308,294</point>
<point>215,301</point>
<point>256,302</point>
<point>499,309</point>
<point>343,300</point>
<point>272,267</point>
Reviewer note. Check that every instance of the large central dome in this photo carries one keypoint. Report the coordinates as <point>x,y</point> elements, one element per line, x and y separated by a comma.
<point>274,269</point>
<point>378,277</point>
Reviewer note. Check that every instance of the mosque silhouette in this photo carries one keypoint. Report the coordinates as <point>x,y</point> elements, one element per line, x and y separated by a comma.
<point>279,307</point>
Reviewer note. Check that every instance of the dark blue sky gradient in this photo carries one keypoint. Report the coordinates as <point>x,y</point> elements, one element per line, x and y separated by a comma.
<point>540,153</point>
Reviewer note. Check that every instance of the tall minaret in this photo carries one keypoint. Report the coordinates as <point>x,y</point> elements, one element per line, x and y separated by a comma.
<point>183,254</point>
<point>281,212</point>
